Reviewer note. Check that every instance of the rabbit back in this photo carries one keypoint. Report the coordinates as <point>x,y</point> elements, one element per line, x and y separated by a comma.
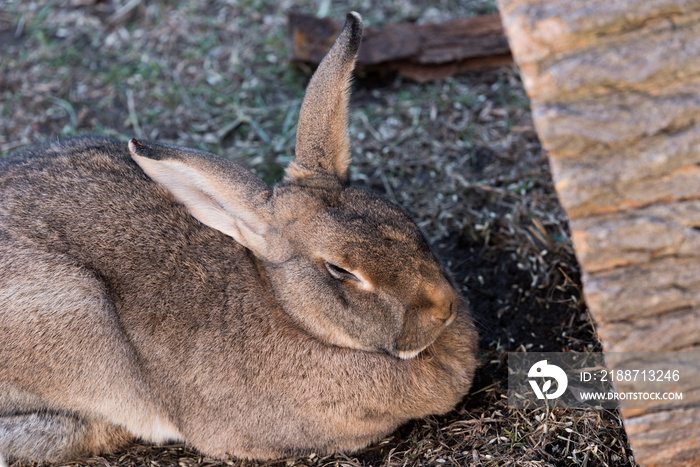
<point>65,347</point>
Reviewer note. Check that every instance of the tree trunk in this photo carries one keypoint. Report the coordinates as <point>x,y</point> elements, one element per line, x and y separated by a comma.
<point>615,91</point>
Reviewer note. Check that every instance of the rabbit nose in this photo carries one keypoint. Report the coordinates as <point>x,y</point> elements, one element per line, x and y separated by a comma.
<point>433,308</point>
<point>444,300</point>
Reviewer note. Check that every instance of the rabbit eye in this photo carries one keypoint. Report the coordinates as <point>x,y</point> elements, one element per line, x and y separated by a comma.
<point>340,273</point>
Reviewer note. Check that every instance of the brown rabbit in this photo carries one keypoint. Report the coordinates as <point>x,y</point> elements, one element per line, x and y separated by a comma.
<point>164,293</point>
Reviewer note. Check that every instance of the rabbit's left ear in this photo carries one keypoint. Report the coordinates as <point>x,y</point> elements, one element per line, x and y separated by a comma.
<point>217,192</point>
<point>322,143</point>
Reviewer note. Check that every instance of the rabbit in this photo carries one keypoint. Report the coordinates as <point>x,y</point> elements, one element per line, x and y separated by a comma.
<point>154,292</point>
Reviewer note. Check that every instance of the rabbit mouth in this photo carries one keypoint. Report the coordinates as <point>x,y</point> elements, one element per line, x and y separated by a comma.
<point>412,353</point>
<point>409,354</point>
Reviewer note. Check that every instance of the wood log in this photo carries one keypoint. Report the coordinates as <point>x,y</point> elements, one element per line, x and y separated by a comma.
<point>419,52</point>
<point>615,95</point>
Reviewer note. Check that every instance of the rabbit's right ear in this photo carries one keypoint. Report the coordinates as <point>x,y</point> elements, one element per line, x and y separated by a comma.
<point>322,143</point>
<point>217,192</point>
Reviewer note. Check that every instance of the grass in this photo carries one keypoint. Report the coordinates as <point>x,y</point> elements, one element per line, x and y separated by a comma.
<point>460,155</point>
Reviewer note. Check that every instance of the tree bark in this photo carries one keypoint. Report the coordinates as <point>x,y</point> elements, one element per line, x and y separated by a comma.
<point>615,95</point>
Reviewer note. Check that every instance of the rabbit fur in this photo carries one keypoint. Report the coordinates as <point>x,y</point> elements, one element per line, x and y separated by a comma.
<point>156,292</point>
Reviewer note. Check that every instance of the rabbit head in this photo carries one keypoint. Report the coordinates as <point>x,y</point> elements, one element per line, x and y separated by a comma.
<point>348,265</point>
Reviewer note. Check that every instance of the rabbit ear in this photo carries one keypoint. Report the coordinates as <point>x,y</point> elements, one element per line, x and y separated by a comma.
<point>217,192</point>
<point>322,142</point>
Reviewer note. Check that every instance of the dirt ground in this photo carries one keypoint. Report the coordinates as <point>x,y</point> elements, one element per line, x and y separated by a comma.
<point>460,155</point>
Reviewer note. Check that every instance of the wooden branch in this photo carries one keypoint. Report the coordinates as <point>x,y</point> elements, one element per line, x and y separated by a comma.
<point>613,87</point>
<point>419,52</point>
